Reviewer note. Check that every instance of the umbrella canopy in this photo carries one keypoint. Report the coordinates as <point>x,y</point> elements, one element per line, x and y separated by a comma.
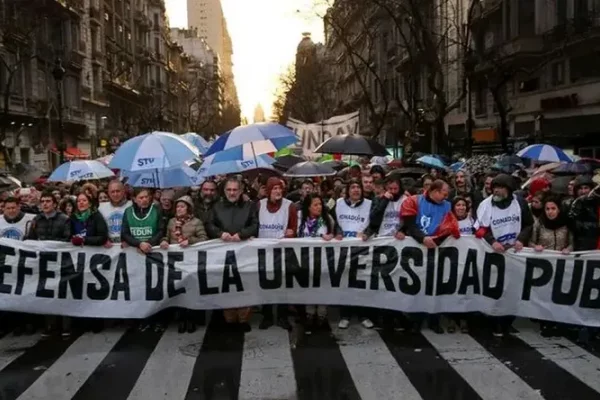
<point>211,167</point>
<point>576,168</point>
<point>197,141</point>
<point>335,164</point>
<point>409,171</point>
<point>431,161</point>
<point>27,173</point>
<point>288,161</point>
<point>507,168</point>
<point>309,169</point>
<point>106,159</point>
<point>544,152</point>
<point>380,160</point>
<point>353,145</point>
<point>153,151</point>
<point>183,176</point>
<point>457,166</point>
<point>9,182</point>
<point>81,170</point>
<point>509,160</point>
<point>249,141</point>
<point>547,168</point>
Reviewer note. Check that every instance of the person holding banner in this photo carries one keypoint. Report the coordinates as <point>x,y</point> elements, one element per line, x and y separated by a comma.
<point>184,229</point>
<point>277,219</point>
<point>429,220</point>
<point>233,220</point>
<point>503,219</point>
<point>352,215</point>
<point>114,210</point>
<point>14,223</point>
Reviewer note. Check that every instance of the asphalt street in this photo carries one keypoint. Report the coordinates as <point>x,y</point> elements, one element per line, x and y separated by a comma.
<point>275,364</point>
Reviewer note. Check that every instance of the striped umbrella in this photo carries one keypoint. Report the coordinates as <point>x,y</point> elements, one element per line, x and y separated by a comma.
<point>544,152</point>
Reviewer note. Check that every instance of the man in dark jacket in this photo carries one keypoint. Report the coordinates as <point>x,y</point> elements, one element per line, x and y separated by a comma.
<point>208,197</point>
<point>234,220</point>
<point>50,224</point>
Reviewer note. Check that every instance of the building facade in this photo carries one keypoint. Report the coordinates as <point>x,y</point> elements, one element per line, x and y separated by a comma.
<point>546,51</point>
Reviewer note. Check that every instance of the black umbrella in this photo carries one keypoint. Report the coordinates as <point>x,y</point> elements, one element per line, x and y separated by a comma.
<point>335,164</point>
<point>288,161</point>
<point>409,171</point>
<point>309,169</point>
<point>510,160</point>
<point>573,169</point>
<point>27,173</point>
<point>352,145</point>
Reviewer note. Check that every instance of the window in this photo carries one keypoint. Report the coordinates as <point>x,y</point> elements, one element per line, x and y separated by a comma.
<point>526,16</point>
<point>561,12</point>
<point>585,67</point>
<point>481,98</point>
<point>530,85</point>
<point>558,73</point>
<point>157,45</point>
<point>156,19</point>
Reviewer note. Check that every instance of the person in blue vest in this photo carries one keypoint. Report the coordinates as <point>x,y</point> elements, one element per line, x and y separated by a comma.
<point>428,219</point>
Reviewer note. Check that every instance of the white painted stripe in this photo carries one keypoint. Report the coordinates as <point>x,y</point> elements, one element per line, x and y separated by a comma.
<point>267,366</point>
<point>489,377</point>
<point>12,347</point>
<point>567,355</point>
<point>374,370</point>
<point>169,369</point>
<point>64,378</point>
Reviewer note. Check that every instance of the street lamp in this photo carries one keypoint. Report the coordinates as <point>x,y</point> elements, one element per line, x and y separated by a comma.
<point>58,72</point>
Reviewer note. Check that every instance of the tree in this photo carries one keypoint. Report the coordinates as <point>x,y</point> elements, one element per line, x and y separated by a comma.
<point>202,114</point>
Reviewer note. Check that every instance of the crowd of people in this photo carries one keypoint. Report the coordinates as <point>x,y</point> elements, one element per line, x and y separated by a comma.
<point>364,204</point>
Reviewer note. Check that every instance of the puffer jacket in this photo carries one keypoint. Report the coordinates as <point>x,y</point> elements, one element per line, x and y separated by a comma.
<point>192,230</point>
<point>240,217</point>
<point>584,222</point>
<point>551,239</point>
<point>57,227</point>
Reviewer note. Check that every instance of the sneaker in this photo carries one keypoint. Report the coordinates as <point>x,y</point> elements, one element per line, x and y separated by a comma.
<point>344,323</point>
<point>451,326</point>
<point>464,327</point>
<point>367,323</point>
<point>498,331</point>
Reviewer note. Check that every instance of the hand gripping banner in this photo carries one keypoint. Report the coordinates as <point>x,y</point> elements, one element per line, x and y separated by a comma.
<point>463,275</point>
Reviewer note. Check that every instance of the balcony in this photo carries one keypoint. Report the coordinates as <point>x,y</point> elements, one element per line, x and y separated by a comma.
<point>97,57</point>
<point>158,3</point>
<point>73,115</point>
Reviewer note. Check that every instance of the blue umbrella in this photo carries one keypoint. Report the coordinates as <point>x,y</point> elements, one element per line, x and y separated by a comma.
<point>153,151</point>
<point>198,141</point>
<point>431,161</point>
<point>183,176</point>
<point>250,141</point>
<point>457,166</point>
<point>80,171</point>
<point>544,152</point>
<point>212,167</point>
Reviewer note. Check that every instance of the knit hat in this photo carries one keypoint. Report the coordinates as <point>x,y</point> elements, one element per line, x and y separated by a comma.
<point>504,180</point>
<point>537,185</point>
<point>271,183</point>
<point>187,200</point>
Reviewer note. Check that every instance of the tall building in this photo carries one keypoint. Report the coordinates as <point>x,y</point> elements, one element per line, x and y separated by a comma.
<point>207,17</point>
<point>259,114</point>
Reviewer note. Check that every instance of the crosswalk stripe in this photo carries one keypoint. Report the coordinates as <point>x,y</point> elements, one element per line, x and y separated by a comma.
<point>70,371</point>
<point>374,370</point>
<point>12,347</point>
<point>267,366</point>
<point>568,356</point>
<point>539,372</point>
<point>429,373</point>
<point>119,370</point>
<point>168,371</point>
<point>321,372</point>
<point>491,379</point>
<point>22,372</point>
<point>216,373</point>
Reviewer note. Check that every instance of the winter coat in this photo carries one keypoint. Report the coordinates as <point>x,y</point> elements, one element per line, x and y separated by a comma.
<point>96,229</point>
<point>203,210</point>
<point>584,223</point>
<point>129,239</point>
<point>57,227</point>
<point>551,239</point>
<point>192,230</point>
<point>240,217</point>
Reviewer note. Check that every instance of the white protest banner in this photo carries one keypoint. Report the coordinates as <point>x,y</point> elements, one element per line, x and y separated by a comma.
<point>312,135</point>
<point>462,275</point>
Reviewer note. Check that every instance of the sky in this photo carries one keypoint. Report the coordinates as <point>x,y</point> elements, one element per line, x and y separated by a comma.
<point>265,34</point>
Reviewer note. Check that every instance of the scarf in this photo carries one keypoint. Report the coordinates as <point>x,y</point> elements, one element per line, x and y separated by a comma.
<point>553,224</point>
<point>179,223</point>
<point>312,226</point>
<point>83,216</point>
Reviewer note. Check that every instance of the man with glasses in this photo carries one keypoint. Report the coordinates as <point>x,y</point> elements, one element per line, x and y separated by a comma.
<point>234,219</point>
